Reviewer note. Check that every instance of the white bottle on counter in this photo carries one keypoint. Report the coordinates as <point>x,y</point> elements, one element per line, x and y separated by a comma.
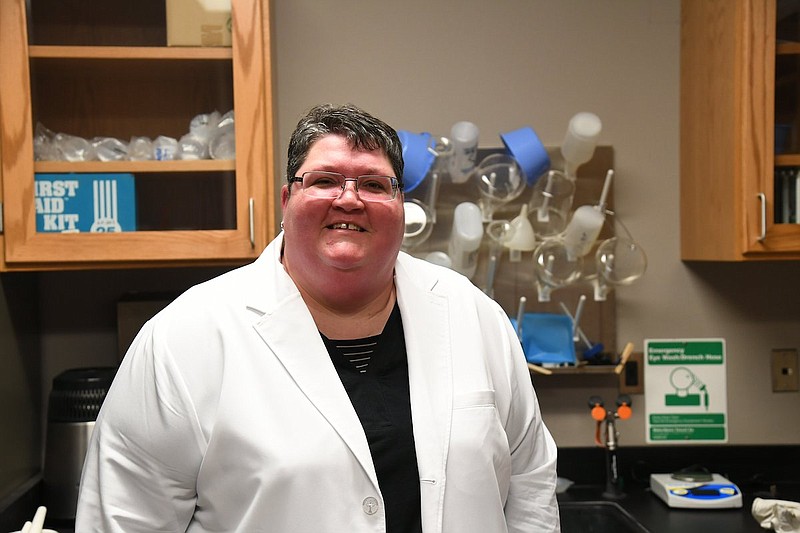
<point>465,238</point>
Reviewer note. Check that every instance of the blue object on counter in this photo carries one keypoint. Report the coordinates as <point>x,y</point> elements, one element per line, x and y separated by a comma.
<point>547,338</point>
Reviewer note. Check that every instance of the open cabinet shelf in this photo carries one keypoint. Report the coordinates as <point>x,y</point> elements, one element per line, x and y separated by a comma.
<point>94,70</point>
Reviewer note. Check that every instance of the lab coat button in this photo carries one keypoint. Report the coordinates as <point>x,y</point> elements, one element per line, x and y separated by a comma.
<point>370,505</point>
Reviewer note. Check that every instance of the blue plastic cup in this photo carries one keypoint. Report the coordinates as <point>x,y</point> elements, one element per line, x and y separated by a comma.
<point>524,145</point>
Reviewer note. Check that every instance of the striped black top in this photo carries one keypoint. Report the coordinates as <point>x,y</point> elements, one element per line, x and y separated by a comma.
<point>374,371</point>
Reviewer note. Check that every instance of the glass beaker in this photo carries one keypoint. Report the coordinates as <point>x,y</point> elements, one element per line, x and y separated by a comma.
<point>550,204</point>
<point>500,180</point>
<point>418,223</point>
<point>620,261</point>
<point>554,267</point>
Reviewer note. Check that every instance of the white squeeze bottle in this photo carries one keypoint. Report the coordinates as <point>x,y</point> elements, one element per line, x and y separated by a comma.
<point>465,238</point>
<point>585,225</point>
<point>579,141</point>
<point>464,138</point>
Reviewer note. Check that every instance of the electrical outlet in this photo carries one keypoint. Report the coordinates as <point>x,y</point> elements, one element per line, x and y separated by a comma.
<point>631,380</point>
<point>785,377</point>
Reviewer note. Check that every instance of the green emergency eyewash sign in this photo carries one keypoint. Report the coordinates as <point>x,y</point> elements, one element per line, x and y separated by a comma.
<point>685,390</point>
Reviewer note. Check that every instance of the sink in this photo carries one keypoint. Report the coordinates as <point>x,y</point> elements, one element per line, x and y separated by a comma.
<point>597,517</point>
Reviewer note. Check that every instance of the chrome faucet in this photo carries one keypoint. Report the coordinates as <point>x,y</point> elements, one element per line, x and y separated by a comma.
<point>601,415</point>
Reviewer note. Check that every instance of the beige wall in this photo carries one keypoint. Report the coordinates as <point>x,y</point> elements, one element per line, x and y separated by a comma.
<point>504,64</point>
<point>424,65</point>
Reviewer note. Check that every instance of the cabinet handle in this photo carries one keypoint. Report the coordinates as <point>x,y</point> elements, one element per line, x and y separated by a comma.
<point>762,197</point>
<point>252,206</point>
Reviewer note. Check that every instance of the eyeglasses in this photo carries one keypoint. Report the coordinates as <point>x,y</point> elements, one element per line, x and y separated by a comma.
<point>321,184</point>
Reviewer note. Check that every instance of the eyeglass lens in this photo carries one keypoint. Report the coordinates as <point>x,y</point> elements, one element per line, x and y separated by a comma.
<point>331,185</point>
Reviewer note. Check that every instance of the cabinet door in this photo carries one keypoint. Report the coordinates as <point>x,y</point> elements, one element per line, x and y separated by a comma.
<point>109,73</point>
<point>785,212</point>
<point>729,98</point>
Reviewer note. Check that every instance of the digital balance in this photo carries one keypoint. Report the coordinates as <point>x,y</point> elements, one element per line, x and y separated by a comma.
<point>696,491</point>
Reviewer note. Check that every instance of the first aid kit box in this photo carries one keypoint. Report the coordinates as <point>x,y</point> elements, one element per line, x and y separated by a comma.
<point>91,203</point>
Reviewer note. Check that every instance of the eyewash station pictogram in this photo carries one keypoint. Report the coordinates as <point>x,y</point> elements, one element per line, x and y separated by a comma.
<point>686,392</point>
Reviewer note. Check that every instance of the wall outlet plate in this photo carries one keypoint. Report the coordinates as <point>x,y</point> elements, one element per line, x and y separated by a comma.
<point>631,380</point>
<point>785,375</point>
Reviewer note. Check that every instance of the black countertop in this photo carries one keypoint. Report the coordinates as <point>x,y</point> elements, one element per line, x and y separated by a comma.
<point>769,472</point>
<point>657,517</point>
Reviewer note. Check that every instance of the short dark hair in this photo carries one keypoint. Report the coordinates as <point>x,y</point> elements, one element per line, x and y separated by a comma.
<point>362,130</point>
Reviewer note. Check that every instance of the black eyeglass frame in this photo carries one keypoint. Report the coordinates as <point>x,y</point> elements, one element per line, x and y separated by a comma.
<point>395,183</point>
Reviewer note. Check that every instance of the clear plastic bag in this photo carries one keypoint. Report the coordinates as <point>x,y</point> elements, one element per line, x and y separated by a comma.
<point>192,147</point>
<point>222,144</point>
<point>140,149</point>
<point>165,148</point>
<point>72,148</point>
<point>110,149</point>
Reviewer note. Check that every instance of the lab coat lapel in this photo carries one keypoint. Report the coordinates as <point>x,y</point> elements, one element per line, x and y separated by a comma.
<point>287,328</point>
<point>427,332</point>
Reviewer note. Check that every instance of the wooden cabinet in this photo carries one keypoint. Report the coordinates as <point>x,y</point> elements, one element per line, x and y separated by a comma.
<point>102,69</point>
<point>732,206</point>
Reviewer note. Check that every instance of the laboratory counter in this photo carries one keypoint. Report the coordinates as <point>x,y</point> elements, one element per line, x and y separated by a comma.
<point>652,513</point>
<point>769,472</point>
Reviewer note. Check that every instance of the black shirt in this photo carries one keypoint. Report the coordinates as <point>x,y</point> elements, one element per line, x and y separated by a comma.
<point>374,372</point>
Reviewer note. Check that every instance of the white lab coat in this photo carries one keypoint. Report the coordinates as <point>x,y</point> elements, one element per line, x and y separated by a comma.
<point>228,415</point>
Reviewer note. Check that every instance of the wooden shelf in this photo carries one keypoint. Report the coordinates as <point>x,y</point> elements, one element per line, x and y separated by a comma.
<point>130,52</point>
<point>787,48</point>
<point>787,160</point>
<point>202,165</point>
<point>581,369</point>
<point>586,368</point>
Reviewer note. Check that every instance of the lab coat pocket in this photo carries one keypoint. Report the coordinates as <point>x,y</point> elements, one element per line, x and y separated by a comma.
<point>479,463</point>
<point>478,398</point>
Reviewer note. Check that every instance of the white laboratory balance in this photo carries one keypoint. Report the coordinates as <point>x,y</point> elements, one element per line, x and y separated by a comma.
<point>696,490</point>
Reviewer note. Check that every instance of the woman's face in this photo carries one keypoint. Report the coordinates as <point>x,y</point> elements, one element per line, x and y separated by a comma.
<point>323,236</point>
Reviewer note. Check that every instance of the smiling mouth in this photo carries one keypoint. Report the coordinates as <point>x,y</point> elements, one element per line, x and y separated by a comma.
<point>350,227</point>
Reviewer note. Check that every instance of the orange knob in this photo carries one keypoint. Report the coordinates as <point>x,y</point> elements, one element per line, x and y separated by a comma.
<point>598,413</point>
<point>624,411</point>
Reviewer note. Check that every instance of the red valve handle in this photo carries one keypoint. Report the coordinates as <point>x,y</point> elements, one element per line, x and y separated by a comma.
<point>598,413</point>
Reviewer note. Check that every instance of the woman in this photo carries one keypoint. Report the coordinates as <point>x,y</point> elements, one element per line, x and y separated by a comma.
<point>335,384</point>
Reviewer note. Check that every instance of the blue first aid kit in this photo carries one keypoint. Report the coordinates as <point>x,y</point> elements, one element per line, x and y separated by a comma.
<point>85,203</point>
